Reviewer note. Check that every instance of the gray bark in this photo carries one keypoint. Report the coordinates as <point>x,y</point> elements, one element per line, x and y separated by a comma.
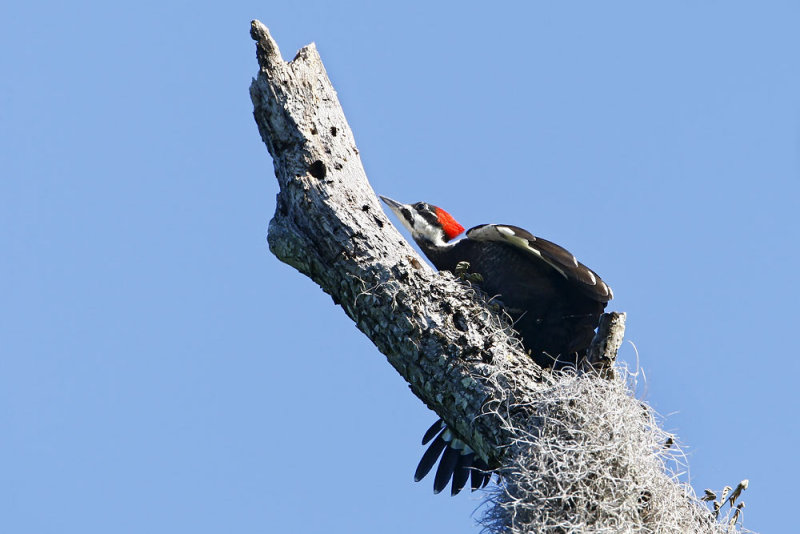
<point>606,344</point>
<point>455,350</point>
<point>450,345</point>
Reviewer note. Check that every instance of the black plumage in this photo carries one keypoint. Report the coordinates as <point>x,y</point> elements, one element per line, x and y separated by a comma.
<point>447,466</point>
<point>554,315</point>
<point>429,458</point>
<point>480,474</point>
<point>435,428</point>
<point>554,301</point>
<point>462,471</point>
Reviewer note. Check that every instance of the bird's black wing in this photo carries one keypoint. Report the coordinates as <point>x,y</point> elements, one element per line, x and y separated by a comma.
<point>559,258</point>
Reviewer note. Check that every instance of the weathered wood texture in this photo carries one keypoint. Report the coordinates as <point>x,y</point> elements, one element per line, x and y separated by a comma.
<point>606,344</point>
<point>448,343</point>
<point>436,331</point>
<point>452,347</point>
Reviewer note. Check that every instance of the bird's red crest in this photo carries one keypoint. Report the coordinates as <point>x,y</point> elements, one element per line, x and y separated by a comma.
<point>449,224</point>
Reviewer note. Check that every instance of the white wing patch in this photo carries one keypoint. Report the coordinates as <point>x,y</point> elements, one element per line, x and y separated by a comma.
<point>527,244</point>
<point>608,291</point>
<point>498,232</point>
<point>564,262</point>
<point>505,230</point>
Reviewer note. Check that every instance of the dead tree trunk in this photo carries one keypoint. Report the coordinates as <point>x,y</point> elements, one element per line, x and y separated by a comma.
<point>457,354</point>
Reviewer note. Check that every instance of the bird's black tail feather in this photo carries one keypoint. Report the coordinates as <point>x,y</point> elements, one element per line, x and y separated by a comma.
<point>458,462</point>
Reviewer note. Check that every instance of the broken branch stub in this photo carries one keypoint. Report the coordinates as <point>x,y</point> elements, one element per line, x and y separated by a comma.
<point>328,225</point>
<point>457,354</point>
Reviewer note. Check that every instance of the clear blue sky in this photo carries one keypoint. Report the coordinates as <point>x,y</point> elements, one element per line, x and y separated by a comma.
<point>160,371</point>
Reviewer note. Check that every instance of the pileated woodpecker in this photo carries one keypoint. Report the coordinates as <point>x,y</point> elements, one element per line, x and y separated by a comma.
<point>554,301</point>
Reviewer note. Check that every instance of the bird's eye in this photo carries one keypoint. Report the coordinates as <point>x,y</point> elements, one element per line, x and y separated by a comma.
<point>420,206</point>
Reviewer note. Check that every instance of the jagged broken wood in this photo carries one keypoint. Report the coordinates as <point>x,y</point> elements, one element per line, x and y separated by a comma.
<point>443,337</point>
<point>606,343</point>
<point>439,334</point>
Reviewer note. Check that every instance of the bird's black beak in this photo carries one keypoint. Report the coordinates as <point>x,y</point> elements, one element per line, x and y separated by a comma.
<point>397,208</point>
<point>395,205</point>
<point>401,211</point>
